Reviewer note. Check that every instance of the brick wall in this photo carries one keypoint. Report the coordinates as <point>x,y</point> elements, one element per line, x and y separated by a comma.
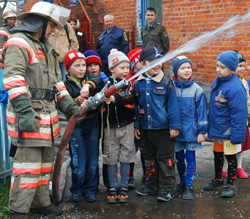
<point>187,19</point>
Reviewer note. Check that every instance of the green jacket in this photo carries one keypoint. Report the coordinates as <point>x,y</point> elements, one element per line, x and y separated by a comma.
<point>155,36</point>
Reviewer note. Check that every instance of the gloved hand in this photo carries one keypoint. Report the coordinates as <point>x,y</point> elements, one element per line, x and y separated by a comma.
<point>75,109</point>
<point>28,119</point>
<point>68,106</point>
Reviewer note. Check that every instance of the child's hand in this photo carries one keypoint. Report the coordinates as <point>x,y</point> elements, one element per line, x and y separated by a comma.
<point>108,100</point>
<point>201,138</point>
<point>85,91</point>
<point>137,134</point>
<point>174,133</point>
<point>79,100</point>
<point>84,104</point>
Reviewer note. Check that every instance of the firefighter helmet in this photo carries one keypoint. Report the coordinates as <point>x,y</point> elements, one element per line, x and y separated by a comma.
<point>8,14</point>
<point>53,12</point>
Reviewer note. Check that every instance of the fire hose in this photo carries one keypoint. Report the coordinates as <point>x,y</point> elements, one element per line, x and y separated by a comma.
<point>92,103</point>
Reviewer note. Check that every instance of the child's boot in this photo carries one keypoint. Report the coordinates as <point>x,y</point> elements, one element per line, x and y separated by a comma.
<point>213,183</point>
<point>228,191</point>
<point>123,195</point>
<point>188,193</point>
<point>112,196</point>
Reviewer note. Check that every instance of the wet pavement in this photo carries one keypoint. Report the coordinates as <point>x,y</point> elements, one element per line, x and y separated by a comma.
<point>205,204</point>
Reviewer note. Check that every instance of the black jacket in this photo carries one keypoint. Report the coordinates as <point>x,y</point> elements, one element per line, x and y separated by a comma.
<point>121,112</point>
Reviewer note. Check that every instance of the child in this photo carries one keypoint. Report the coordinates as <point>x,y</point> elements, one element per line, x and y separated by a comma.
<point>227,120</point>
<point>83,143</point>
<point>157,123</point>
<point>193,106</point>
<point>119,129</point>
<point>94,64</point>
<point>135,65</point>
<point>241,173</point>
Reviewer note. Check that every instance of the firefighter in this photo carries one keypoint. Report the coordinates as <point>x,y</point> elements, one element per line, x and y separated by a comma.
<point>33,79</point>
<point>9,21</point>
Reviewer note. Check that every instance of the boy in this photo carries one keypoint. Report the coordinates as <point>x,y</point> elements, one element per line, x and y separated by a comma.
<point>241,173</point>
<point>83,143</point>
<point>94,64</point>
<point>227,120</point>
<point>157,123</point>
<point>193,106</point>
<point>119,129</point>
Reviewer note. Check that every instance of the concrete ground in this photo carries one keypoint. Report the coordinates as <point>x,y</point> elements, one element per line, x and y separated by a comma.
<point>204,205</point>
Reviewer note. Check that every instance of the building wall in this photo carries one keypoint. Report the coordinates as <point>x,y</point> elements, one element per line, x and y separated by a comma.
<point>187,19</point>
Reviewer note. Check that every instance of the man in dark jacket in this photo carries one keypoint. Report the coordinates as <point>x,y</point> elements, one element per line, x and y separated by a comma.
<point>111,38</point>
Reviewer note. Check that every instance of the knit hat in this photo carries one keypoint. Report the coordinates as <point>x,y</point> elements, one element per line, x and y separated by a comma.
<point>229,59</point>
<point>92,56</point>
<point>240,56</point>
<point>178,61</point>
<point>149,53</point>
<point>71,56</point>
<point>134,57</point>
<point>116,57</point>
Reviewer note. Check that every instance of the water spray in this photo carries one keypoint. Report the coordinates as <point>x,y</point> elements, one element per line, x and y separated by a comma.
<point>196,43</point>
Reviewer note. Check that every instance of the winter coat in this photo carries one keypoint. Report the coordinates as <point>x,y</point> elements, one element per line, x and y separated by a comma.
<point>28,65</point>
<point>228,110</point>
<point>156,104</point>
<point>115,39</point>
<point>61,43</point>
<point>193,107</point>
<point>121,112</point>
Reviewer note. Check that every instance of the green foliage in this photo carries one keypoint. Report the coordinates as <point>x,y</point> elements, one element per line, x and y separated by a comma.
<point>4,200</point>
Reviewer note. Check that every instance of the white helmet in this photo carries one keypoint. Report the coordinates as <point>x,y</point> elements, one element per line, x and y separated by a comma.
<point>8,14</point>
<point>53,12</point>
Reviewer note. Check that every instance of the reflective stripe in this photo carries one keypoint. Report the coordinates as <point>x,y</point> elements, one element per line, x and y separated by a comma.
<point>16,91</point>
<point>13,81</point>
<point>17,41</point>
<point>34,135</point>
<point>47,167</point>
<point>24,168</point>
<point>2,32</point>
<point>32,183</point>
<point>11,117</point>
<point>39,54</point>
<point>56,131</point>
<point>63,90</point>
<point>48,119</point>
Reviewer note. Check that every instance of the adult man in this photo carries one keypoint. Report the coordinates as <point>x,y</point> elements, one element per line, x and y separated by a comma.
<point>154,34</point>
<point>63,41</point>
<point>33,79</point>
<point>111,38</point>
<point>9,21</point>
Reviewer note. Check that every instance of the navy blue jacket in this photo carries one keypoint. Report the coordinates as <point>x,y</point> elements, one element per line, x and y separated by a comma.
<point>115,39</point>
<point>156,104</point>
<point>228,110</point>
<point>193,106</point>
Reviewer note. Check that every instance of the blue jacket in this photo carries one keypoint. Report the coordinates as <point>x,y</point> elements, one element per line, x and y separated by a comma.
<point>156,104</point>
<point>115,39</point>
<point>193,106</point>
<point>228,110</point>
